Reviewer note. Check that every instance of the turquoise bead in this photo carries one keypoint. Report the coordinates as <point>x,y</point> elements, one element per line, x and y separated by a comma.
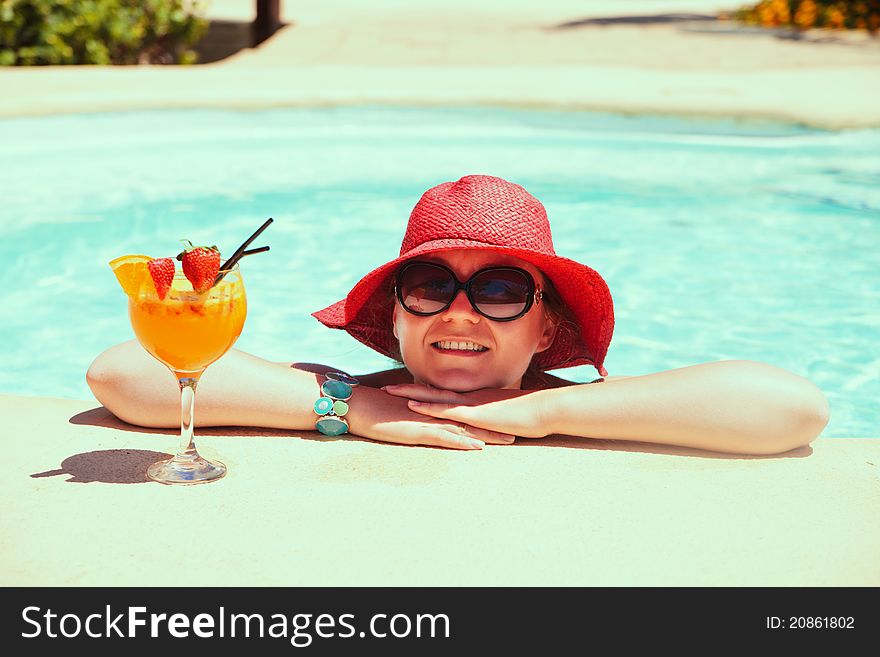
<point>340,407</point>
<point>323,406</point>
<point>331,426</point>
<point>336,390</point>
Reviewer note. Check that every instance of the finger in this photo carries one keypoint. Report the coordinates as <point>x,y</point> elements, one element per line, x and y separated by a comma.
<point>486,435</point>
<point>445,410</point>
<point>438,435</point>
<point>463,415</point>
<point>493,437</point>
<point>423,393</point>
<point>448,436</point>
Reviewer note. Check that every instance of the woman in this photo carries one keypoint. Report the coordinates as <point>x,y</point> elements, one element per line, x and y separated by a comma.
<point>476,308</point>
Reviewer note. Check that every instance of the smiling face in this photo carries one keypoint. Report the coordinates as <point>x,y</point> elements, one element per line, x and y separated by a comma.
<point>510,345</point>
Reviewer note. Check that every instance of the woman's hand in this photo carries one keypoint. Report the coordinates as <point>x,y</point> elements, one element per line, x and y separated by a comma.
<point>382,416</point>
<point>516,412</point>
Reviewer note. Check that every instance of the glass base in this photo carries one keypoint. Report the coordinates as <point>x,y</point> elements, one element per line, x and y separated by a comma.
<point>186,471</point>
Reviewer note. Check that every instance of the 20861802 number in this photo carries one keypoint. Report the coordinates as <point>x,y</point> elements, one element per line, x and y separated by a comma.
<point>810,623</point>
<point>821,622</point>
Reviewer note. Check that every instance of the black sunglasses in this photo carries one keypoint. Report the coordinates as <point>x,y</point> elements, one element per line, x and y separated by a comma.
<point>501,294</point>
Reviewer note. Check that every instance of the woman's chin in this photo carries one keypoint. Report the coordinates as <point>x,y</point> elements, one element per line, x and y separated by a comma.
<point>458,381</point>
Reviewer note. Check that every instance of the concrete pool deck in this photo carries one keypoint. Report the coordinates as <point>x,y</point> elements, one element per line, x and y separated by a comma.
<point>302,509</point>
<point>344,52</point>
<point>298,508</point>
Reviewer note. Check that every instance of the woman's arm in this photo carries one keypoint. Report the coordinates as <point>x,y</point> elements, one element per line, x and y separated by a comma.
<point>730,406</point>
<point>238,390</point>
<point>243,390</point>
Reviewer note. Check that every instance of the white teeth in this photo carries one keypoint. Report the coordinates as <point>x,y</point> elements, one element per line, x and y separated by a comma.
<point>460,346</point>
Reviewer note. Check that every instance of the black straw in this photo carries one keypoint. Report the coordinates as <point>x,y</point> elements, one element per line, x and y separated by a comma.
<point>240,251</point>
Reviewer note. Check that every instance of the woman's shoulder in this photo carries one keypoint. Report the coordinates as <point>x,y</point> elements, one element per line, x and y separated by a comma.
<point>543,380</point>
<point>539,381</point>
<point>373,380</point>
<point>398,375</point>
<point>390,377</point>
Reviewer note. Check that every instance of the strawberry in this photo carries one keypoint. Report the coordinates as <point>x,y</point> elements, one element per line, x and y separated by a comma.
<point>200,265</point>
<point>162,273</point>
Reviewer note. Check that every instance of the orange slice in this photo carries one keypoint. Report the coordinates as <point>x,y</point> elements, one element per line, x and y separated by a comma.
<point>131,272</point>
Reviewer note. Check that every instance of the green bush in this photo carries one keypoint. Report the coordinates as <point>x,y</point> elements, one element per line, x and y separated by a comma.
<point>36,32</point>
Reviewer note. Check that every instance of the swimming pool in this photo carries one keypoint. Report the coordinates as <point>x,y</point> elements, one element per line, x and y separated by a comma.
<point>719,239</point>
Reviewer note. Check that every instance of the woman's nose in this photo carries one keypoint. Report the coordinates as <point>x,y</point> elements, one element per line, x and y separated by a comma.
<point>461,308</point>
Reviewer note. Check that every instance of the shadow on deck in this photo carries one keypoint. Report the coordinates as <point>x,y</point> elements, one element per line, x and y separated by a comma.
<point>225,38</point>
<point>637,20</point>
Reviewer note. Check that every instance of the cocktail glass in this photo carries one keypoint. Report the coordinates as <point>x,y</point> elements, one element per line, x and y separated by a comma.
<point>187,331</point>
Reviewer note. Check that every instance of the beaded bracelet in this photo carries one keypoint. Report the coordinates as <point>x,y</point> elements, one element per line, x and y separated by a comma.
<point>331,406</point>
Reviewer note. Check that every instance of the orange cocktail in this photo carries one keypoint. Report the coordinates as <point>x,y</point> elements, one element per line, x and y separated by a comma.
<point>188,331</point>
<point>186,320</point>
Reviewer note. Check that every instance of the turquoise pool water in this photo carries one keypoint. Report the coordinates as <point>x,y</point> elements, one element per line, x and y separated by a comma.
<point>719,239</point>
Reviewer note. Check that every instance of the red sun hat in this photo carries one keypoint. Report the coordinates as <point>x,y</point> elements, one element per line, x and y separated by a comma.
<point>484,212</point>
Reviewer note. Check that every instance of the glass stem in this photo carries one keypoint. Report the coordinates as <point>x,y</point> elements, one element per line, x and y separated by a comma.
<point>187,451</point>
